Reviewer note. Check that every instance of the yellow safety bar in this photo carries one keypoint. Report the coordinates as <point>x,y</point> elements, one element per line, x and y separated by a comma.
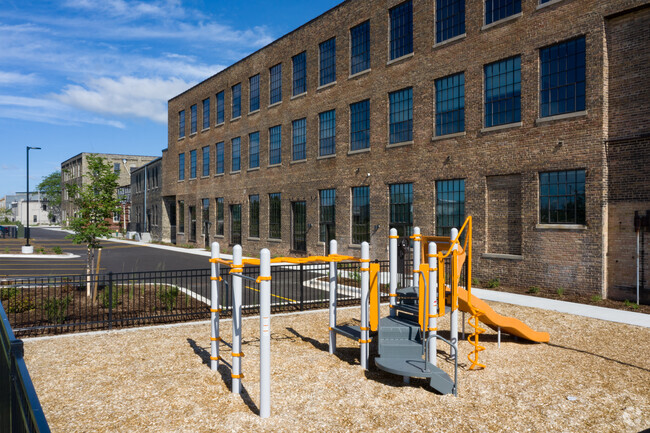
<point>292,260</point>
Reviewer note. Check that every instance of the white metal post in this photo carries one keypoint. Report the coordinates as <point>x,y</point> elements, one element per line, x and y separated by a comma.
<point>365,285</point>
<point>236,284</point>
<point>332,304</point>
<point>454,314</point>
<point>392,269</point>
<point>433,304</point>
<point>638,263</point>
<point>214,308</point>
<point>265,333</point>
<point>416,256</point>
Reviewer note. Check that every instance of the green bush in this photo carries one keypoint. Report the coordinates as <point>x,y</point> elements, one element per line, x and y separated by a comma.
<point>560,291</point>
<point>15,305</point>
<point>630,304</point>
<point>493,283</point>
<point>57,250</point>
<point>57,309</point>
<point>476,282</point>
<point>167,296</point>
<point>8,293</point>
<point>533,290</point>
<point>105,297</point>
<point>596,298</point>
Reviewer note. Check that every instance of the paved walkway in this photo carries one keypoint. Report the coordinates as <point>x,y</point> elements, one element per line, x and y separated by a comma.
<point>609,314</point>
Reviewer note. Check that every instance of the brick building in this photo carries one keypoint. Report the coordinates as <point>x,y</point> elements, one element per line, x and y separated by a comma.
<point>146,199</point>
<point>73,169</point>
<point>419,113</point>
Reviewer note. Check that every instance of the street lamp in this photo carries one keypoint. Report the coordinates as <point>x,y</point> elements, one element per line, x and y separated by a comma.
<point>27,248</point>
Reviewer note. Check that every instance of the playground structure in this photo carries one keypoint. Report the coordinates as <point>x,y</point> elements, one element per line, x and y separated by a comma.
<point>406,338</point>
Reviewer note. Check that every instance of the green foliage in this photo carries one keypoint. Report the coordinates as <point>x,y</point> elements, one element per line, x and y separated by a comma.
<point>493,283</point>
<point>476,282</point>
<point>8,293</point>
<point>167,296</point>
<point>57,309</point>
<point>40,250</point>
<point>16,305</point>
<point>50,187</point>
<point>105,297</point>
<point>533,290</point>
<point>6,250</point>
<point>96,201</point>
<point>629,304</point>
<point>560,291</point>
<point>57,250</point>
<point>596,298</point>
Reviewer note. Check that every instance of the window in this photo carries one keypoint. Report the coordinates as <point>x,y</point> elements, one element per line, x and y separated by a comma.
<point>193,164</point>
<point>401,116</point>
<point>193,119</point>
<point>401,208</point>
<point>181,166</point>
<point>299,225</point>
<point>360,48</point>
<point>220,107</point>
<point>327,133</point>
<point>503,92</point>
<point>205,215</point>
<point>206,113</point>
<point>219,230</point>
<point>450,205</point>
<point>276,84</point>
<point>236,101</point>
<point>562,78</point>
<point>450,104</point>
<point>327,212</point>
<point>116,167</point>
<point>327,61</point>
<point>275,145</point>
<point>254,97</point>
<point>450,19</point>
<point>254,150</point>
<point>206,161</point>
<point>275,216</point>
<point>220,158</point>
<point>299,73</point>
<point>181,216</point>
<point>116,217</point>
<point>360,125</point>
<point>496,10</point>
<point>360,214</point>
<point>562,197</point>
<point>299,139</point>
<point>236,154</point>
<point>235,224</point>
<point>181,124</point>
<point>254,216</point>
<point>401,30</point>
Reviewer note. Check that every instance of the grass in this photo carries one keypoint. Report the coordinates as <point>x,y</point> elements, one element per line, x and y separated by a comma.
<point>167,296</point>
<point>105,297</point>
<point>629,304</point>
<point>533,290</point>
<point>596,298</point>
<point>560,291</point>
<point>493,283</point>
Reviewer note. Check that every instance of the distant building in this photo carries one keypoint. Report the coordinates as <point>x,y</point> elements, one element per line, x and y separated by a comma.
<point>73,169</point>
<point>38,208</point>
<point>146,199</point>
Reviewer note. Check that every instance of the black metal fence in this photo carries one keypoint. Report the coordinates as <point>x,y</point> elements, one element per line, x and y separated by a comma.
<point>20,410</point>
<point>50,305</point>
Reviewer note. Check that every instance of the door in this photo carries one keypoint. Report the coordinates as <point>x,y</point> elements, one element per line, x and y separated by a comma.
<point>192,223</point>
<point>299,223</point>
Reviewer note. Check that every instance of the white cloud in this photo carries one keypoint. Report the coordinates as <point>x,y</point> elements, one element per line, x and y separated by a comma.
<point>129,9</point>
<point>16,78</point>
<point>126,96</point>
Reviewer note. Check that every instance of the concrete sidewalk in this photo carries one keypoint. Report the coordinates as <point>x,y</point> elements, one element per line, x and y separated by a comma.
<point>609,314</point>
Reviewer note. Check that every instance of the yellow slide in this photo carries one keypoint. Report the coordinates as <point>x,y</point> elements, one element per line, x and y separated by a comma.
<point>494,320</point>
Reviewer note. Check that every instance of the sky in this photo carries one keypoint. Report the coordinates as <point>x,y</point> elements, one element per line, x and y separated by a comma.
<point>96,75</point>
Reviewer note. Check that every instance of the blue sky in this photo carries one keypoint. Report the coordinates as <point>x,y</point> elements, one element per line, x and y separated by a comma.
<point>95,75</point>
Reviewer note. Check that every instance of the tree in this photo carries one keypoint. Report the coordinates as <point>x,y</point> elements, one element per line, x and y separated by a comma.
<point>50,188</point>
<point>96,201</point>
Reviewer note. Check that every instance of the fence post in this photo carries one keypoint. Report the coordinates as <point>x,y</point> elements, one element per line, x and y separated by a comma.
<point>110,300</point>
<point>302,286</point>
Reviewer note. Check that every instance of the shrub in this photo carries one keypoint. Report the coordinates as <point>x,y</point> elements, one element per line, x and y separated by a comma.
<point>40,250</point>
<point>20,305</point>
<point>105,297</point>
<point>8,293</point>
<point>57,250</point>
<point>596,298</point>
<point>476,282</point>
<point>167,296</point>
<point>6,250</point>
<point>560,291</point>
<point>493,283</point>
<point>630,304</point>
<point>533,290</point>
<point>57,309</point>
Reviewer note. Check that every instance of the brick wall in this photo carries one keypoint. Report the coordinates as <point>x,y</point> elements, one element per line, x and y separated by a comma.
<point>504,214</point>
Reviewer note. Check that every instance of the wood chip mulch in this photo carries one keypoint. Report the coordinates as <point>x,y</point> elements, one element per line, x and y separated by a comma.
<point>594,376</point>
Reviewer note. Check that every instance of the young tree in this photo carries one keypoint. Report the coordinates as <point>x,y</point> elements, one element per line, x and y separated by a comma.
<point>50,188</point>
<point>96,201</point>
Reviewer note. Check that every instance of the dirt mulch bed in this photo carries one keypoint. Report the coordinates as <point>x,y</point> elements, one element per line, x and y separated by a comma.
<point>593,376</point>
<point>573,297</point>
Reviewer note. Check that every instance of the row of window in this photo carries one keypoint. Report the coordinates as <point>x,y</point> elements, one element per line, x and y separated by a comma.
<point>561,201</point>
<point>450,23</point>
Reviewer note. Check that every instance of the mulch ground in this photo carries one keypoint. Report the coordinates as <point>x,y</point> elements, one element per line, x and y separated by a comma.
<point>592,376</point>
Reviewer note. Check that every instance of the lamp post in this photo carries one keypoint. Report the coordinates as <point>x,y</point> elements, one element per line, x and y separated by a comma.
<point>27,248</point>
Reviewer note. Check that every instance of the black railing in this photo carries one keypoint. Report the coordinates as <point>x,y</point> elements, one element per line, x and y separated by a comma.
<point>20,410</point>
<point>51,305</point>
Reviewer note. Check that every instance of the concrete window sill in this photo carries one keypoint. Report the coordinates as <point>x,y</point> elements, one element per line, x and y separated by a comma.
<point>561,227</point>
<point>400,59</point>
<point>502,21</point>
<point>299,95</point>
<point>325,86</point>
<point>327,156</point>
<point>401,144</point>
<point>358,151</point>
<point>502,256</point>
<point>359,74</point>
<point>564,116</point>
<point>298,161</point>
<point>551,3</point>
<point>502,127</point>
<point>450,40</point>
<point>448,136</point>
